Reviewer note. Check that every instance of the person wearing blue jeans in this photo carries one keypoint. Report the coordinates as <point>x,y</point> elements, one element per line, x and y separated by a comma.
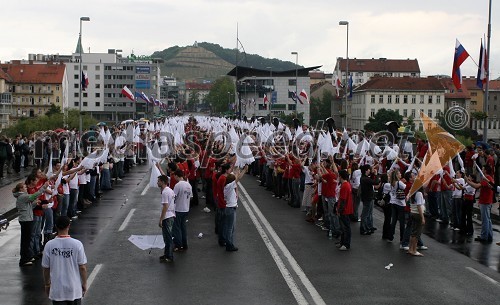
<point>167,217</point>
<point>485,202</point>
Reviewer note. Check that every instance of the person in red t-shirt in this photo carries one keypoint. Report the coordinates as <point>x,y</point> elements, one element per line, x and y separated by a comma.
<point>221,202</point>
<point>434,196</point>
<point>345,210</point>
<point>328,173</point>
<point>486,198</point>
<point>294,174</point>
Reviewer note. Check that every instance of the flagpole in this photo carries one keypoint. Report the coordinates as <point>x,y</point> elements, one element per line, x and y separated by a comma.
<point>487,72</point>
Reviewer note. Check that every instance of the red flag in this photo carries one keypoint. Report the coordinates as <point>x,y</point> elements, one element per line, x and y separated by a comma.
<point>127,93</point>
<point>303,93</point>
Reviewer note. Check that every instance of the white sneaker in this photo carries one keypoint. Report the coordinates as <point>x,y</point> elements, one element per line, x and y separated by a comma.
<point>422,248</point>
<point>343,248</point>
<point>406,248</point>
<point>206,210</point>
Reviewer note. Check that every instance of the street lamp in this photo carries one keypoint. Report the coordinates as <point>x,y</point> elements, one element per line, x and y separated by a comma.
<point>296,80</point>
<point>254,93</point>
<point>81,74</point>
<point>346,23</point>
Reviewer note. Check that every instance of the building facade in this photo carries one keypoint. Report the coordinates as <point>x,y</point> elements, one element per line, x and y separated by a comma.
<point>35,87</point>
<point>408,96</point>
<point>5,100</point>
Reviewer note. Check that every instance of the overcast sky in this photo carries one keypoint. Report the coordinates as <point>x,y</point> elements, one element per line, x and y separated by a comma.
<point>425,29</point>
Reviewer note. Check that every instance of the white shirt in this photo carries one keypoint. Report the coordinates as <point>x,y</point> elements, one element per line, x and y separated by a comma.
<point>64,256</point>
<point>230,195</point>
<point>73,183</point>
<point>82,179</point>
<point>65,186</point>
<point>401,186</point>
<point>419,200</point>
<point>183,193</point>
<point>458,193</point>
<point>355,179</point>
<point>168,197</point>
<point>307,173</point>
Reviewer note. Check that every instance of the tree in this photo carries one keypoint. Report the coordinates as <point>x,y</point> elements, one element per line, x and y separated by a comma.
<point>219,96</point>
<point>411,123</point>
<point>288,119</point>
<point>193,100</point>
<point>321,108</point>
<point>53,110</point>
<point>377,123</point>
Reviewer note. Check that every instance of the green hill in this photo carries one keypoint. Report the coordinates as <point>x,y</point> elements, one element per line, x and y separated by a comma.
<point>206,60</point>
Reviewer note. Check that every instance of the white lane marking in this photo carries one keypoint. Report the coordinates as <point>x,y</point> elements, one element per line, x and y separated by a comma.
<point>92,276</point>
<point>126,220</point>
<point>291,260</point>
<point>145,189</point>
<point>13,231</point>
<point>484,276</point>
<point>294,288</point>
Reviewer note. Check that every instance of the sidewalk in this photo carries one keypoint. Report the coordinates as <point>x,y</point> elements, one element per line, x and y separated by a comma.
<point>8,202</point>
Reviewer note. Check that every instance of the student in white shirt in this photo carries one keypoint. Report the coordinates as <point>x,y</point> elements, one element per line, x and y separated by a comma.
<point>64,266</point>
<point>183,193</point>
<point>417,206</point>
<point>167,218</point>
<point>231,198</point>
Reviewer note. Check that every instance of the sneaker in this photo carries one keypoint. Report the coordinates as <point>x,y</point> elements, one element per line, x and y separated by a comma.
<point>206,210</point>
<point>165,259</point>
<point>330,234</point>
<point>233,249</point>
<point>422,247</point>
<point>439,220</point>
<point>343,248</point>
<point>26,264</point>
<point>118,179</point>
<point>498,243</point>
<point>203,197</point>
<point>456,229</point>
<point>74,217</point>
<point>406,248</point>
<point>323,228</point>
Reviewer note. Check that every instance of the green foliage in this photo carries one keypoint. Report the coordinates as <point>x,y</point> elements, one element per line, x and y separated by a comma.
<point>321,108</point>
<point>288,118</point>
<point>218,98</point>
<point>465,140</point>
<point>383,116</point>
<point>193,100</point>
<point>26,126</point>
<point>479,115</point>
<point>167,54</point>
<point>53,110</point>
<point>410,122</point>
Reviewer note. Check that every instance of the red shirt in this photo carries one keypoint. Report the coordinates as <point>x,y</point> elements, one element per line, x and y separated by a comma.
<point>295,171</point>
<point>436,187</point>
<point>214,185</point>
<point>173,181</point>
<point>210,168</point>
<point>486,194</point>
<point>221,203</point>
<point>329,187</point>
<point>346,195</point>
<point>423,150</point>
<point>446,183</point>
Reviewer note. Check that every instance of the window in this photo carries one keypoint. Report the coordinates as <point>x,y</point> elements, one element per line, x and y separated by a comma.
<point>97,94</point>
<point>75,76</point>
<point>413,74</point>
<point>421,99</point>
<point>413,113</point>
<point>372,113</point>
<point>381,99</point>
<point>76,67</point>
<point>397,99</point>
<point>97,76</point>
<point>98,86</point>
<point>57,87</point>
<point>290,94</point>
<point>84,94</point>
<point>57,100</point>
<point>438,99</point>
<point>430,99</point>
<point>473,94</point>
<point>98,68</point>
<point>76,104</point>
<point>405,99</point>
<point>75,94</point>
<point>438,112</point>
<point>389,99</point>
<point>405,113</point>
<point>97,104</point>
<point>76,86</point>
<point>291,107</point>
<point>373,99</point>
<point>429,113</point>
<point>107,68</point>
<point>413,99</point>
<point>292,82</point>
<point>85,104</point>
<point>85,67</point>
<point>32,89</point>
<point>359,73</point>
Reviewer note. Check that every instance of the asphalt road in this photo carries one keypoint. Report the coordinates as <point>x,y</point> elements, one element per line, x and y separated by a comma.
<point>281,259</point>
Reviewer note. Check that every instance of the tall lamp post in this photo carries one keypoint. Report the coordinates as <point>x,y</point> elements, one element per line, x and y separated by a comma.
<point>296,79</point>
<point>254,93</point>
<point>269,98</point>
<point>81,74</point>
<point>346,23</point>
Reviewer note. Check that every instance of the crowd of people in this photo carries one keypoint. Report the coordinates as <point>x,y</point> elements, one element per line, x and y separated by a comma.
<point>335,177</point>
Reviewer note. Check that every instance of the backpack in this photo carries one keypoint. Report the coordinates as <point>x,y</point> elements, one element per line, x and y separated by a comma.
<point>3,151</point>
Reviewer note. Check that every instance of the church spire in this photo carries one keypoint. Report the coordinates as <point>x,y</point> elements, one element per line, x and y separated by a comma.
<point>79,47</point>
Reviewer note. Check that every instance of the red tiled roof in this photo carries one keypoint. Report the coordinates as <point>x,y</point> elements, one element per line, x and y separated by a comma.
<point>380,65</point>
<point>402,84</point>
<point>316,75</point>
<point>470,83</point>
<point>35,73</point>
<point>452,92</point>
<point>197,86</point>
<point>5,76</point>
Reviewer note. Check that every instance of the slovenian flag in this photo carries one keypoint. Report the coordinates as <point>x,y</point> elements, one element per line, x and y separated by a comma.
<point>128,94</point>
<point>483,63</point>
<point>460,56</point>
<point>85,81</point>
<point>144,97</point>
